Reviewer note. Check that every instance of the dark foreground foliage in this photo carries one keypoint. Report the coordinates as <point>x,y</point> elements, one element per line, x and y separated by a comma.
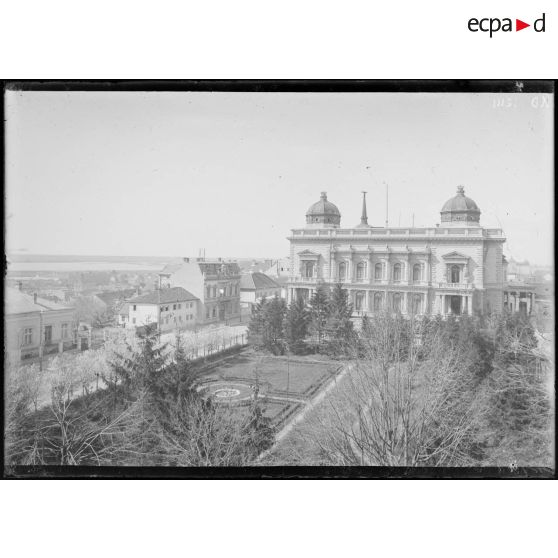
<point>150,414</point>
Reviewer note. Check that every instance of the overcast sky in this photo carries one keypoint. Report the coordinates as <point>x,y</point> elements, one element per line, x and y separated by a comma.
<point>169,173</point>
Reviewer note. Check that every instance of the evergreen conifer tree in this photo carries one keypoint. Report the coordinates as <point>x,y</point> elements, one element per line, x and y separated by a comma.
<point>273,325</point>
<point>296,325</point>
<point>319,313</point>
<point>256,325</point>
<point>339,325</point>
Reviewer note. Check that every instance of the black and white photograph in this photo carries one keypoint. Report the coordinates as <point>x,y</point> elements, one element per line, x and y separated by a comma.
<point>252,278</point>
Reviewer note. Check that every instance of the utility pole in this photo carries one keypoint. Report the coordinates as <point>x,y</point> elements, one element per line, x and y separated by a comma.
<point>288,372</point>
<point>41,340</point>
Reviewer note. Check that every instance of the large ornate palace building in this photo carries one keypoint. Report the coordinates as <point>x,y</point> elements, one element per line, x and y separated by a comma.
<point>455,267</point>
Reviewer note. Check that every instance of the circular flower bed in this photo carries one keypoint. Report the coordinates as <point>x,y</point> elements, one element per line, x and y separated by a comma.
<point>227,392</point>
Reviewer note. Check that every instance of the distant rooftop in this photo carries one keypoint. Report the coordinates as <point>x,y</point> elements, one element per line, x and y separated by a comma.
<point>18,302</point>
<point>164,296</point>
<point>256,280</point>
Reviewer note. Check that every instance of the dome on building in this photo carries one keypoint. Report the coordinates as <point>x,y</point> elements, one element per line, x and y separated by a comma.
<point>460,210</point>
<point>323,213</point>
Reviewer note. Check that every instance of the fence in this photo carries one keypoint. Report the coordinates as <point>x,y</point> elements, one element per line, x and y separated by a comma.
<point>216,347</point>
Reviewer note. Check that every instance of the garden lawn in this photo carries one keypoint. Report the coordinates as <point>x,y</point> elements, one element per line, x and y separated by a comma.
<point>300,375</point>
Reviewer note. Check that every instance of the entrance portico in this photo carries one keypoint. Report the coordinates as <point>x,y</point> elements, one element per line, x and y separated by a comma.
<point>456,304</point>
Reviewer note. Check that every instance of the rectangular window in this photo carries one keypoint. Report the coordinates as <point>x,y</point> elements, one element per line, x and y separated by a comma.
<point>134,307</point>
<point>64,331</point>
<point>166,308</point>
<point>48,334</point>
<point>162,308</point>
<point>133,320</point>
<point>28,336</point>
<point>179,306</point>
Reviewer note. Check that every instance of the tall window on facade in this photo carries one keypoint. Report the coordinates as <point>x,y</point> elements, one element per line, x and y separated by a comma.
<point>377,302</point>
<point>48,334</point>
<point>397,272</point>
<point>416,272</point>
<point>454,274</point>
<point>28,336</point>
<point>417,304</point>
<point>309,269</point>
<point>359,302</point>
<point>208,292</point>
<point>378,271</point>
<point>361,271</point>
<point>397,302</point>
<point>342,271</point>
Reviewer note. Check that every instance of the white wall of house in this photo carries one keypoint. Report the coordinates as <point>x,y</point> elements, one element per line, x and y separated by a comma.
<point>169,316</point>
<point>25,327</point>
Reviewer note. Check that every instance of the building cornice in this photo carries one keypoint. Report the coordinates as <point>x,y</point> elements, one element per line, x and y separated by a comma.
<point>435,233</point>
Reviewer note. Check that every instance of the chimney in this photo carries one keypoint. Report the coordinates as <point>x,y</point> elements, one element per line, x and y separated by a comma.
<point>35,298</point>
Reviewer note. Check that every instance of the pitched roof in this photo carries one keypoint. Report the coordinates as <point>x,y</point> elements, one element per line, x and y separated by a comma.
<point>111,297</point>
<point>169,269</point>
<point>163,296</point>
<point>18,302</point>
<point>257,280</point>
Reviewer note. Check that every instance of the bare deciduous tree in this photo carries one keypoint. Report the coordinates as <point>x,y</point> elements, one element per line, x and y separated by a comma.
<point>401,403</point>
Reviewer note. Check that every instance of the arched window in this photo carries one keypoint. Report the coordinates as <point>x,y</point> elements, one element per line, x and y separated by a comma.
<point>342,271</point>
<point>378,272</point>
<point>416,272</point>
<point>454,274</point>
<point>397,272</point>
<point>361,271</point>
<point>397,302</point>
<point>359,302</point>
<point>377,302</point>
